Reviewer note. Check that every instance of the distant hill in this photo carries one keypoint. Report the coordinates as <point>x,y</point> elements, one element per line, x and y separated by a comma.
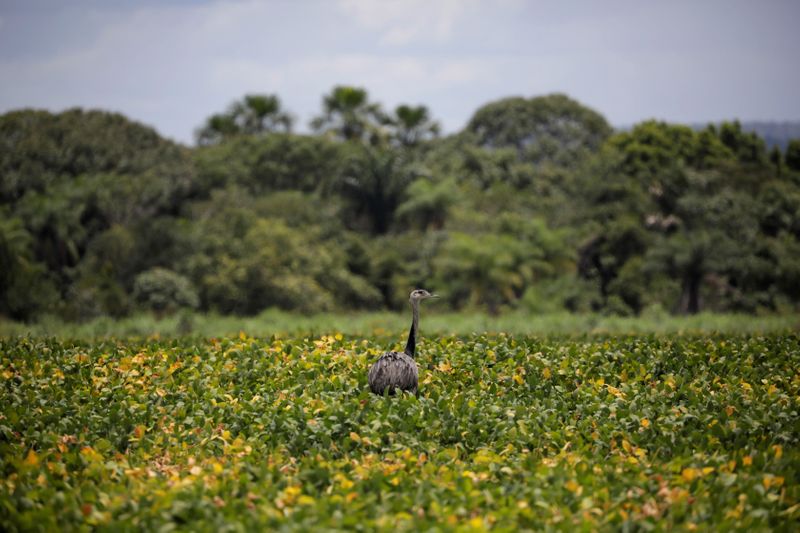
<point>774,133</point>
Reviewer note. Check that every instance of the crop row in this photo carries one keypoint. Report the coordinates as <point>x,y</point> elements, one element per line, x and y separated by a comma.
<point>505,433</point>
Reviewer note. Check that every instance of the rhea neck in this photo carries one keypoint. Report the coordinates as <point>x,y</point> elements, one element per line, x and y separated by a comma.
<point>411,344</point>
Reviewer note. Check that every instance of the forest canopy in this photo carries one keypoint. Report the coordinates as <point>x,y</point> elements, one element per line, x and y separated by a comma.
<point>538,204</point>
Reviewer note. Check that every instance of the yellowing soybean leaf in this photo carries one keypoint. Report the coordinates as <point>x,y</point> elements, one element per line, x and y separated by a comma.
<point>31,459</point>
<point>778,449</point>
<point>689,474</point>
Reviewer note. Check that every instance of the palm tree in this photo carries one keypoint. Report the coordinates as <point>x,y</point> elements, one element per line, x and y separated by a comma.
<point>413,125</point>
<point>374,184</point>
<point>261,113</point>
<point>348,114</point>
<point>218,127</point>
<point>255,114</point>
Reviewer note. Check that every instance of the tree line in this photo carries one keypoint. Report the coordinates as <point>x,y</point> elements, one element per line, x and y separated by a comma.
<point>537,204</point>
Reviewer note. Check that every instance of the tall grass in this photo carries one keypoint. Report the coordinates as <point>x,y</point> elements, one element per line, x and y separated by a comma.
<point>385,324</point>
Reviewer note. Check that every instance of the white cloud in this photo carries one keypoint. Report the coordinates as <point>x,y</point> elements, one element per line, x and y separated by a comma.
<point>403,22</point>
<point>230,73</point>
<point>464,71</point>
<point>172,65</point>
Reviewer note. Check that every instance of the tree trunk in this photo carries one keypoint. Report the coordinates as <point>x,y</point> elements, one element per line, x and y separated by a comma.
<point>690,294</point>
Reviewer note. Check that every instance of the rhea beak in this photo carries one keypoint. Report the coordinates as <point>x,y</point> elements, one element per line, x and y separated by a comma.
<point>433,296</point>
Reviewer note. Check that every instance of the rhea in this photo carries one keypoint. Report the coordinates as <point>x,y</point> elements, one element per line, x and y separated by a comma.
<point>397,371</point>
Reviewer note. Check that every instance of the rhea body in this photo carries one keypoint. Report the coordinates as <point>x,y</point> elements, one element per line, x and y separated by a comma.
<point>397,371</point>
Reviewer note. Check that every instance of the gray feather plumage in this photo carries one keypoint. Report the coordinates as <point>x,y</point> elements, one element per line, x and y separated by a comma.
<point>393,372</point>
<point>397,371</point>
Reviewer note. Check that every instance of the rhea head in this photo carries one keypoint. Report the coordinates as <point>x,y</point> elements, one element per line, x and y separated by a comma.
<point>420,294</point>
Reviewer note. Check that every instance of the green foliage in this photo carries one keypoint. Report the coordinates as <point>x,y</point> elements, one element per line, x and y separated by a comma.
<point>792,156</point>
<point>271,163</point>
<point>551,128</point>
<point>254,114</point>
<point>348,114</point>
<point>485,168</point>
<point>678,208</point>
<point>481,269</point>
<point>652,146</point>
<point>162,290</point>
<point>41,148</point>
<point>427,204</point>
<point>413,125</point>
<point>493,270</point>
<point>391,326</point>
<point>373,184</point>
<point>507,433</point>
<point>246,263</point>
<point>748,148</point>
<point>24,285</point>
<point>557,295</point>
<point>534,205</point>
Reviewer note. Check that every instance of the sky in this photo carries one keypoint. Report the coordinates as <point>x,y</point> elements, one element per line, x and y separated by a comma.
<point>172,63</point>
